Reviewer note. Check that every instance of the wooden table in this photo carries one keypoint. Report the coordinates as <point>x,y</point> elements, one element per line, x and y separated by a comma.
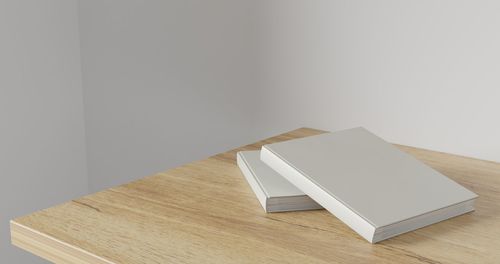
<point>205,212</point>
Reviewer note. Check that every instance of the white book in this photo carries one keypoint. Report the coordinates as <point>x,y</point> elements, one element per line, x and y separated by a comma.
<point>274,192</point>
<point>369,184</point>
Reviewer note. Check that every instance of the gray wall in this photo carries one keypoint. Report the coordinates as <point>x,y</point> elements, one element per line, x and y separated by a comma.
<point>42,148</point>
<point>168,82</point>
<point>421,73</point>
<point>165,83</point>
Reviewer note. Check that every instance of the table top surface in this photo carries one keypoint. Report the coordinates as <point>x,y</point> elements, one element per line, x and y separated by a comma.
<point>205,212</point>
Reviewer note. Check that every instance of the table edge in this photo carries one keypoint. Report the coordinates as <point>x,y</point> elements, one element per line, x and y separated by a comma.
<point>50,248</point>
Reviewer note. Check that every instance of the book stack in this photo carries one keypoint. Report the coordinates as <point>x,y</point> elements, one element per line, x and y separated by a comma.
<point>367,183</point>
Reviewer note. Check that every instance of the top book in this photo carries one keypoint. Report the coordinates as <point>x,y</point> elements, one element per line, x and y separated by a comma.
<point>369,184</point>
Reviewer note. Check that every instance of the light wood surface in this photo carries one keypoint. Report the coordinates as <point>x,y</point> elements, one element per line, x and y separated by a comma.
<point>205,212</point>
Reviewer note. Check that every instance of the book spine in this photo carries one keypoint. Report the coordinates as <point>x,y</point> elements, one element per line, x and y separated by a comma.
<point>322,197</point>
<point>252,181</point>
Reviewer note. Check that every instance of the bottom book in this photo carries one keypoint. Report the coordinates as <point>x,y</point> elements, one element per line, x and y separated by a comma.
<point>274,192</point>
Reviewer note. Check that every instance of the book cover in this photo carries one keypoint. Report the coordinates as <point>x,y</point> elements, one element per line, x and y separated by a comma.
<point>369,184</point>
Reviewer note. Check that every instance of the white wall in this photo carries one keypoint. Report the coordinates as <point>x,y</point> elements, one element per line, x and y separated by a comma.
<point>421,73</point>
<point>165,83</point>
<point>168,82</point>
<point>42,148</point>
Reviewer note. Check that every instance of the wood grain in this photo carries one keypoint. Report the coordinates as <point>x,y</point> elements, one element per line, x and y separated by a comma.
<point>205,212</point>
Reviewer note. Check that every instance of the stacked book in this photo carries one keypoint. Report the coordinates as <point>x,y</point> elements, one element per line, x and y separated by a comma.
<point>367,183</point>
